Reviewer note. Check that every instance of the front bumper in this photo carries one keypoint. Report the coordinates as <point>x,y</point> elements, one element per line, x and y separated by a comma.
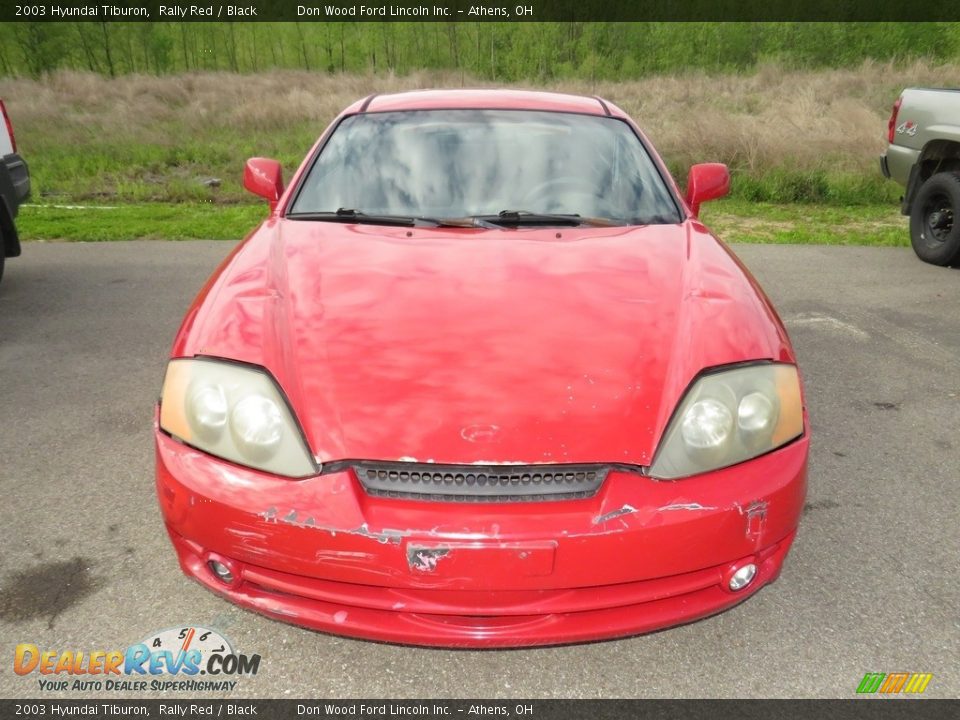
<point>638,556</point>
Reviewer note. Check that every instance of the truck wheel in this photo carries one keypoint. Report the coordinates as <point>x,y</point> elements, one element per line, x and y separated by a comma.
<point>933,232</point>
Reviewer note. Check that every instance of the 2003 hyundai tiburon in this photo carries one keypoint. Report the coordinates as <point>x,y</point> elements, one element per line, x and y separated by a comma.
<point>482,378</point>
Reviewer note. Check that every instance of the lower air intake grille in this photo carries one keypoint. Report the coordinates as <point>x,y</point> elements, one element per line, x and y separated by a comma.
<point>479,483</point>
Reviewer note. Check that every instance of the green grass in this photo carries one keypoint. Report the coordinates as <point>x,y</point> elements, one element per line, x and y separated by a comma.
<point>733,220</point>
<point>736,220</point>
<point>171,167</point>
<point>781,185</point>
<point>152,221</point>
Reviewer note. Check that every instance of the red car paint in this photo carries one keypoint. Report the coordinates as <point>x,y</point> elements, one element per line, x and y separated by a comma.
<point>450,345</point>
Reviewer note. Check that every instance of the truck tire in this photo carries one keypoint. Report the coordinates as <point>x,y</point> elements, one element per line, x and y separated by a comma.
<point>933,230</point>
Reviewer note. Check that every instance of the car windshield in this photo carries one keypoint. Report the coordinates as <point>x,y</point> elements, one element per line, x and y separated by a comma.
<point>504,165</point>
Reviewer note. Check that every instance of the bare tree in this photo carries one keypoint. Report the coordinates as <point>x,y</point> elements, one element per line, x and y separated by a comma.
<point>183,40</point>
<point>87,51</point>
<point>106,48</point>
<point>303,48</point>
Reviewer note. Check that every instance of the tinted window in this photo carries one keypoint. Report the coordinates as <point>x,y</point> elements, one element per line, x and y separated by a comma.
<point>457,163</point>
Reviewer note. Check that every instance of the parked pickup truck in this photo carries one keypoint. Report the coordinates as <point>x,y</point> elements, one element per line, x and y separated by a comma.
<point>923,155</point>
<point>14,189</point>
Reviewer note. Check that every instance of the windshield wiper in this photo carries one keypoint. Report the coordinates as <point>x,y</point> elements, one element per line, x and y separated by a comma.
<point>347,215</point>
<point>524,217</point>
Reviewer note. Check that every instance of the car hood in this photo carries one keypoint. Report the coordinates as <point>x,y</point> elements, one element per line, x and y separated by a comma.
<point>483,346</point>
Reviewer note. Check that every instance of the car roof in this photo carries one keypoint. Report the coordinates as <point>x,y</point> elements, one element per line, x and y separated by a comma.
<point>484,98</point>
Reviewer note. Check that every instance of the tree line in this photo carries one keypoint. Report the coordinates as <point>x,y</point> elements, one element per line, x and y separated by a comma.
<point>494,51</point>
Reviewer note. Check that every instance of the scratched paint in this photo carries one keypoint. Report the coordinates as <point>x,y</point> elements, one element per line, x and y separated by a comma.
<point>625,510</point>
<point>425,559</point>
<point>756,518</point>
<point>387,535</point>
<point>694,506</point>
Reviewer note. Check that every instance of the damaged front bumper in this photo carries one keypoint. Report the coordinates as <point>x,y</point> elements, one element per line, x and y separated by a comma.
<point>639,555</point>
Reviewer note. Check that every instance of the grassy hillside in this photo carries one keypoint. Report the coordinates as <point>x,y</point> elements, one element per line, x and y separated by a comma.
<point>789,136</point>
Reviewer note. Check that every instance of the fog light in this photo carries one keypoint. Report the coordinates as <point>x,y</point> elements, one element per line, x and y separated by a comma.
<point>223,572</point>
<point>743,577</point>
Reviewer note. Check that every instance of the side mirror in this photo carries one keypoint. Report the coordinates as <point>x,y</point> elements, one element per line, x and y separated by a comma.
<point>707,181</point>
<point>264,177</point>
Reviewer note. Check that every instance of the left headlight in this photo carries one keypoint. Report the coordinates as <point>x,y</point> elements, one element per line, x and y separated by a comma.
<point>234,412</point>
<point>730,416</point>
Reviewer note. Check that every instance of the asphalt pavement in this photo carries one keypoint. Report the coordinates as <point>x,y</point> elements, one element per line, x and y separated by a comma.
<point>870,586</point>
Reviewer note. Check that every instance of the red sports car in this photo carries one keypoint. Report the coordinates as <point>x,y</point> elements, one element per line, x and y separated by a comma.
<point>482,379</point>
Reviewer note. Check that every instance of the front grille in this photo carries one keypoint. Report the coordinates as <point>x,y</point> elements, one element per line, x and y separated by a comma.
<point>479,483</point>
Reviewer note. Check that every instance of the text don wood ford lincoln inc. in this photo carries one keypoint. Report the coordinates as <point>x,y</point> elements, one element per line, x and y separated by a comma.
<point>186,659</point>
<point>410,708</point>
<point>413,11</point>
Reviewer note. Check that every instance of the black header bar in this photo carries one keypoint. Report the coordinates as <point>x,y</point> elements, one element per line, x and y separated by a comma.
<point>478,11</point>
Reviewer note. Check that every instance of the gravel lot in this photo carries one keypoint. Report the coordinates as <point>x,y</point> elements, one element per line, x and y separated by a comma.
<point>871,584</point>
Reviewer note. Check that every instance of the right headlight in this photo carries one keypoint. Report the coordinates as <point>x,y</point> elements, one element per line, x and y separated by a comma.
<point>235,412</point>
<point>730,416</point>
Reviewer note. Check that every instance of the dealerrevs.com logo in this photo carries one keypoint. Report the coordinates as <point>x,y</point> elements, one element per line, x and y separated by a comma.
<point>197,658</point>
